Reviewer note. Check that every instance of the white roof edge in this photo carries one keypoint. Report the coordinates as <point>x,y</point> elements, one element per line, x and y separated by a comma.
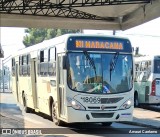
<point>60,39</point>
<point>148,57</point>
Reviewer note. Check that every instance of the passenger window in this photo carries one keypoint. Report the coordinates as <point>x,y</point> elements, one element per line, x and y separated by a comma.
<point>52,54</point>
<point>43,64</point>
<point>13,67</point>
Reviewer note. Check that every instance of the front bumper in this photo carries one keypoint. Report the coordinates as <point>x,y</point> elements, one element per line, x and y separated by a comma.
<point>99,116</point>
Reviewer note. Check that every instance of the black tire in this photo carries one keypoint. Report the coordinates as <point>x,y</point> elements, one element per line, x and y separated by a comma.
<point>57,121</point>
<point>107,124</point>
<point>136,101</point>
<point>26,109</point>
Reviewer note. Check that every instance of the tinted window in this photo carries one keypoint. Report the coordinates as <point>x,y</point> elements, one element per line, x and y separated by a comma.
<point>157,66</point>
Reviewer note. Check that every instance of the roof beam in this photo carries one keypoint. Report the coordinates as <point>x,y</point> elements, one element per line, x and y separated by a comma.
<point>37,9</point>
<point>143,14</point>
<point>30,21</point>
<point>4,4</point>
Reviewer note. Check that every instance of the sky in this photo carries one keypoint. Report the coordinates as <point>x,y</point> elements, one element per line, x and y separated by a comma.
<point>145,36</point>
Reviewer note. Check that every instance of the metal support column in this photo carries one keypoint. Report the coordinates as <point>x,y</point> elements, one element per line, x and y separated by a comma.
<point>3,62</point>
<point>3,74</point>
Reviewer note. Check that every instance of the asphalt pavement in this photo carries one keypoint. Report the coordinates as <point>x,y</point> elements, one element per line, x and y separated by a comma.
<point>146,117</point>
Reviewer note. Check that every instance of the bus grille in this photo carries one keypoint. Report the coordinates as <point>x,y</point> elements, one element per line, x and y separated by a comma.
<point>106,107</point>
<point>110,100</point>
<point>102,115</point>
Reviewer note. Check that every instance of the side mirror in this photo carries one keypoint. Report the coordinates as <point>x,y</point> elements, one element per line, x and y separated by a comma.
<point>64,61</point>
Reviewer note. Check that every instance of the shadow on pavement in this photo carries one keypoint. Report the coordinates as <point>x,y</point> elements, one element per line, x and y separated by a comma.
<point>8,112</point>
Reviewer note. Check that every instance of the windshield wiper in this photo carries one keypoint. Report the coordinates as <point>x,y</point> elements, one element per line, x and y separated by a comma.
<point>113,63</point>
<point>91,62</point>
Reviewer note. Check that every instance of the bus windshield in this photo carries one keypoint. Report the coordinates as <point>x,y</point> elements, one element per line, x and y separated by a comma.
<point>157,66</point>
<point>94,73</point>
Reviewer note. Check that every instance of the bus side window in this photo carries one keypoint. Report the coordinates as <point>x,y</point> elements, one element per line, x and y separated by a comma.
<point>13,66</point>
<point>52,62</point>
<point>24,65</point>
<point>137,71</point>
<point>28,64</point>
<point>43,65</point>
<point>156,66</point>
<point>42,56</point>
<point>52,54</point>
<point>20,65</point>
<point>144,78</point>
<point>148,69</point>
<point>136,76</point>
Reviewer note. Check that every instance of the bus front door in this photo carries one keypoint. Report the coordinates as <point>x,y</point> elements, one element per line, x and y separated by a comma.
<point>61,90</point>
<point>34,82</point>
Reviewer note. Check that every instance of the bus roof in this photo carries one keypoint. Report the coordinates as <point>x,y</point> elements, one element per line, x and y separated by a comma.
<point>62,39</point>
<point>145,58</point>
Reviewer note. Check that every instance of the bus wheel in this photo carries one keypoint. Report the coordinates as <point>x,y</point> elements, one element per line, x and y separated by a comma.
<point>26,109</point>
<point>54,116</point>
<point>136,102</point>
<point>106,124</point>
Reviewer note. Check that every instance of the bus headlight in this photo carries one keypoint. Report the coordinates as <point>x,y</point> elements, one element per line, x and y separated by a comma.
<point>75,104</point>
<point>127,104</point>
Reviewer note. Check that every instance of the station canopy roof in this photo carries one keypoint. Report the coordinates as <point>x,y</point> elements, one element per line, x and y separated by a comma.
<point>78,14</point>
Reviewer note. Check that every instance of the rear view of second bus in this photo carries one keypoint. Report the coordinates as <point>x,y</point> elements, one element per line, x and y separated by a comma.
<point>147,81</point>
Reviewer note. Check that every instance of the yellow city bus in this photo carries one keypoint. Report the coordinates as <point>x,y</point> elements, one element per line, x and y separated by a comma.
<point>76,78</point>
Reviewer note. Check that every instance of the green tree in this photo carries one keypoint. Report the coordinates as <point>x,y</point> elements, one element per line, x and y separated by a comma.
<point>34,35</point>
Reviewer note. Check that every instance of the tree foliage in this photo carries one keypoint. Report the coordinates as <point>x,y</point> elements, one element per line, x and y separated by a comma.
<point>35,35</point>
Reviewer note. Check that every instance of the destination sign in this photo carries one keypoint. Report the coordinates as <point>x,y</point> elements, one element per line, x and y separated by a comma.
<point>91,43</point>
<point>99,44</point>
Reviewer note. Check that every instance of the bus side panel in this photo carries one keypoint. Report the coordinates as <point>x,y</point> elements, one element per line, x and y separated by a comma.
<point>25,86</point>
<point>42,94</point>
<point>138,89</point>
<point>33,79</point>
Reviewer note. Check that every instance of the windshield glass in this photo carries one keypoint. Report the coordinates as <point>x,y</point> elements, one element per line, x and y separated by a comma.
<point>91,72</point>
<point>157,66</point>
